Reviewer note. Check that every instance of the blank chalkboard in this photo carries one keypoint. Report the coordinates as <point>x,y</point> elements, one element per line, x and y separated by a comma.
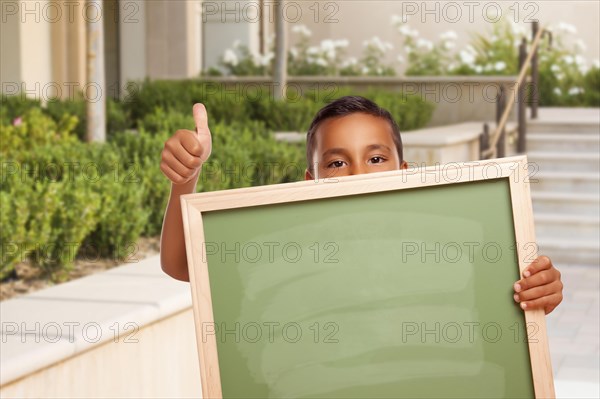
<point>395,284</point>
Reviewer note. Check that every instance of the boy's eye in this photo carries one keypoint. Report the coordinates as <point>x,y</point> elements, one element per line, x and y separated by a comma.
<point>377,160</point>
<point>336,164</point>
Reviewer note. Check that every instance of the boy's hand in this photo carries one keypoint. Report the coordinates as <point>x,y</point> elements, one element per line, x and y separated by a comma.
<point>540,287</point>
<point>186,151</point>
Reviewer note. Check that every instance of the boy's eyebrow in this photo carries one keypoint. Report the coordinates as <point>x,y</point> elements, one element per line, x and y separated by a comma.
<point>343,151</point>
<point>378,147</point>
<point>333,151</point>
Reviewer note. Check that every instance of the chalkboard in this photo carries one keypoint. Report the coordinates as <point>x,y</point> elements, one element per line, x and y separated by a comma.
<point>393,284</point>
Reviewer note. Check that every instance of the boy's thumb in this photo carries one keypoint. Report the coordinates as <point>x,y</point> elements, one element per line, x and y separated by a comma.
<point>200,118</point>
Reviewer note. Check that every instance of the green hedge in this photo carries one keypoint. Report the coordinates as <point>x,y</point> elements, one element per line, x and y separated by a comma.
<point>246,102</point>
<point>62,197</point>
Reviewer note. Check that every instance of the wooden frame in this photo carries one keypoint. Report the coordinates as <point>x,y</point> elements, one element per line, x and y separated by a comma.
<point>193,205</point>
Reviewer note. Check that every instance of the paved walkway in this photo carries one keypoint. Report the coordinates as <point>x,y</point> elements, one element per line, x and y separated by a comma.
<point>573,333</point>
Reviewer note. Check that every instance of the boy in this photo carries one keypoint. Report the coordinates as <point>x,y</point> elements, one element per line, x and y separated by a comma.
<point>349,136</point>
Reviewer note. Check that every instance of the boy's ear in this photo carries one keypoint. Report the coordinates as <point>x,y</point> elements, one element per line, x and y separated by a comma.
<point>307,175</point>
<point>404,165</point>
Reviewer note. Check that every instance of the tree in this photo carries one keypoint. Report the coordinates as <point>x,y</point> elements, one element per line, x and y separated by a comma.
<point>280,72</point>
<point>96,80</point>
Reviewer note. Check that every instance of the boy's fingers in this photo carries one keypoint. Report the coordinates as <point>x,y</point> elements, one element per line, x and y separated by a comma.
<point>541,278</point>
<point>540,263</point>
<point>191,143</point>
<point>548,303</point>
<point>539,292</point>
<point>177,164</point>
<point>171,174</point>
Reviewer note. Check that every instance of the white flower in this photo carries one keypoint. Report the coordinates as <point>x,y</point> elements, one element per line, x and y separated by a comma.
<point>466,57</point>
<point>321,61</point>
<point>557,91</point>
<point>407,49</point>
<point>449,35</point>
<point>294,52</point>
<point>266,59</point>
<point>451,66</point>
<point>493,39</point>
<point>379,71</point>
<point>555,68</point>
<point>257,59</point>
<point>517,30</point>
<point>396,19</point>
<point>579,60</point>
<point>406,31</point>
<point>365,70</point>
<point>312,50</point>
<point>566,27</point>
<point>575,90</point>
<point>596,64</point>
<point>580,44</point>
<point>229,57</point>
<point>478,68</point>
<point>500,66</point>
<point>488,67</point>
<point>342,43</point>
<point>302,30</point>
<point>559,76</point>
<point>378,44</point>
<point>400,59</point>
<point>349,62</point>
<point>327,45</point>
<point>426,44</point>
<point>449,45</point>
<point>568,59</point>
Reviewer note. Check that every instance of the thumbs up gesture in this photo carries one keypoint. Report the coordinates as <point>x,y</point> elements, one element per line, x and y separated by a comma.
<point>186,151</point>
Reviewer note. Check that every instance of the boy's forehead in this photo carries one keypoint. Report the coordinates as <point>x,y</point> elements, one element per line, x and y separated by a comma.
<point>353,129</point>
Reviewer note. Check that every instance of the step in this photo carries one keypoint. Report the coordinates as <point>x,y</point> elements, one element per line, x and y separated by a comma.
<point>557,181</point>
<point>564,161</point>
<point>590,128</point>
<point>561,226</point>
<point>565,252</point>
<point>569,142</point>
<point>566,203</point>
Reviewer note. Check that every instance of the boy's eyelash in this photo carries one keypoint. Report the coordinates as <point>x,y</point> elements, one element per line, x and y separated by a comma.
<point>330,164</point>
<point>379,156</point>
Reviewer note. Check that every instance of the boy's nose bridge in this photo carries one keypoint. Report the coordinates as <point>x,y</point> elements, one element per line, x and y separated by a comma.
<point>358,169</point>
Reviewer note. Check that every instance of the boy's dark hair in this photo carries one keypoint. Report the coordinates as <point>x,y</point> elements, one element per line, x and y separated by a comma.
<point>344,106</point>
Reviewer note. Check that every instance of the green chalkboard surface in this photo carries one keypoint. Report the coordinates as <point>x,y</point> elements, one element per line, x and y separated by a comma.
<point>400,293</point>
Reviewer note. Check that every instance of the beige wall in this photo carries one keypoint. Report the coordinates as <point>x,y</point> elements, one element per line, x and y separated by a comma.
<point>172,47</point>
<point>26,55</point>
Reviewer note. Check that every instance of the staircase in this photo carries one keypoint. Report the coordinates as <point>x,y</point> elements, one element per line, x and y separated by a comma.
<point>565,145</point>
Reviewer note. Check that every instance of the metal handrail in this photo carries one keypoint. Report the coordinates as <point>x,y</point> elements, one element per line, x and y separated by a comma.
<point>492,141</point>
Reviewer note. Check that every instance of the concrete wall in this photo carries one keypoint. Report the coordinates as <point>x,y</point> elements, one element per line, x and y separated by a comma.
<point>162,363</point>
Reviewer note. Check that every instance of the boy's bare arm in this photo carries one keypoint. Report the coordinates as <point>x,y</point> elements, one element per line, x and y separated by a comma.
<point>182,159</point>
<point>173,257</point>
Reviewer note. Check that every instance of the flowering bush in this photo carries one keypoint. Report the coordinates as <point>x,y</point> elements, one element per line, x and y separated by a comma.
<point>240,61</point>
<point>565,78</point>
<point>304,59</point>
